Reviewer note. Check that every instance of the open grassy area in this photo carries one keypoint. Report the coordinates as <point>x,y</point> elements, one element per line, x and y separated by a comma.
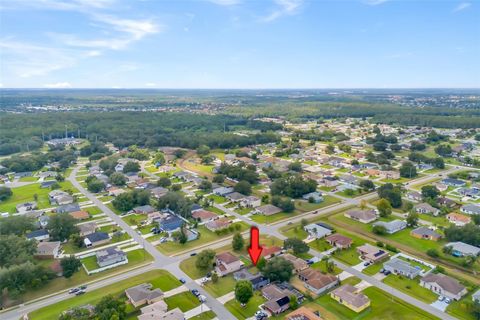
<point>184,301</point>
<point>410,287</point>
<point>217,199</point>
<point>373,269</point>
<point>134,219</point>
<point>460,309</point>
<point>206,236</point>
<point>208,315</point>
<point>223,286</point>
<point>27,194</point>
<point>305,206</point>
<point>249,310</point>
<point>158,278</point>
<point>382,307</point>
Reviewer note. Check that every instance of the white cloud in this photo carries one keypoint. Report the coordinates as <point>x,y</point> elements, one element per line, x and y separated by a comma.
<point>71,5</point>
<point>375,2</point>
<point>284,7</point>
<point>150,84</point>
<point>58,85</point>
<point>462,6</point>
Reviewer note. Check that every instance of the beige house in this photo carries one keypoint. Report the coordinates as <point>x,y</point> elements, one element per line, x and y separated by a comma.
<point>227,263</point>
<point>143,294</point>
<point>443,285</point>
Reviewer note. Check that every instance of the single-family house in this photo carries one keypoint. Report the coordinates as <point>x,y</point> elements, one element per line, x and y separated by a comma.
<point>202,215</point>
<point>371,253</point>
<point>453,182</point>
<point>317,282</point>
<point>476,296</point>
<point>170,223</point>
<point>339,241</point>
<point>146,209</point>
<point>87,228</point>
<point>26,206</point>
<point>426,209</point>
<point>111,256</point>
<point>250,202</point>
<point>39,235</point>
<point>414,196</point>
<point>258,280</point>
<point>401,267</point>
<point>392,226</point>
<point>446,202</point>
<point>48,250</point>
<point>278,297</point>
<point>470,209</point>
<point>317,231</point>
<point>59,197</point>
<point>315,197</point>
<point>364,216</point>
<point>227,263</point>
<point>458,219</point>
<point>425,233</point>
<point>302,313</point>
<point>96,239</point>
<point>67,208</point>
<point>268,210</point>
<point>143,294</point>
<point>235,196</point>
<point>461,249</point>
<point>218,224</point>
<point>270,252</point>
<point>222,191</point>
<point>443,285</point>
<point>351,297</point>
<point>298,263</point>
<point>80,215</point>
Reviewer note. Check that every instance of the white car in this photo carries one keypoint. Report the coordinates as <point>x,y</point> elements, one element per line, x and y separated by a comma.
<point>202,298</point>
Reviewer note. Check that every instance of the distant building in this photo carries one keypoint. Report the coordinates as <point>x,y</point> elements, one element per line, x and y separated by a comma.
<point>48,250</point>
<point>227,263</point>
<point>317,231</point>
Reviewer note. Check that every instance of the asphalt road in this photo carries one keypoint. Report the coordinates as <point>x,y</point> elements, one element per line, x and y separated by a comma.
<point>172,263</point>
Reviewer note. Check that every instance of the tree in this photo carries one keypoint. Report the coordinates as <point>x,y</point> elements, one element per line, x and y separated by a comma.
<point>243,291</point>
<point>177,203</point>
<point>15,250</point>
<point>5,193</point>
<point>70,265</point>
<point>297,245</point>
<point>205,185</point>
<point>61,227</point>
<point>158,159</point>
<point>237,242</point>
<point>109,308</point>
<point>214,277</point>
<point>131,166</point>
<point>17,225</point>
<point>205,259</point>
<point>295,166</point>
<point>443,150</point>
<point>380,230</point>
<point>118,179</point>
<point>391,193</point>
<point>286,204</point>
<point>430,192</point>
<point>408,170</point>
<point>243,187</point>
<point>433,253</point>
<point>77,313</point>
<point>278,269</point>
<point>293,186</point>
<point>219,178</point>
<point>293,302</point>
<point>303,222</point>
<point>384,208</point>
<point>330,149</point>
<point>164,182</point>
<point>124,202</point>
<point>412,219</point>
<point>474,306</point>
<point>367,185</point>
<point>95,185</point>
<point>203,150</point>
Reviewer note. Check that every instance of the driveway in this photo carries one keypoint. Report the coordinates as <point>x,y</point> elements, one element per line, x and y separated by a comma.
<point>440,305</point>
<point>360,266</point>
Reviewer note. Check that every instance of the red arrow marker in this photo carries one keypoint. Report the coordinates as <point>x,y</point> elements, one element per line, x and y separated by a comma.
<point>255,249</point>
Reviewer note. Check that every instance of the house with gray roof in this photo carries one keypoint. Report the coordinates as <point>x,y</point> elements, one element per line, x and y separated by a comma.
<point>401,267</point>
<point>470,209</point>
<point>444,285</point>
<point>111,256</point>
<point>425,233</point>
<point>461,249</point>
<point>315,197</point>
<point>143,294</point>
<point>392,226</point>
<point>476,296</point>
<point>426,208</point>
<point>364,216</point>
<point>317,231</point>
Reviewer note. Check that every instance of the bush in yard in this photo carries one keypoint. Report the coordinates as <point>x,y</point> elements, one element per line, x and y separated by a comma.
<point>433,253</point>
<point>70,265</point>
<point>205,259</point>
<point>380,230</point>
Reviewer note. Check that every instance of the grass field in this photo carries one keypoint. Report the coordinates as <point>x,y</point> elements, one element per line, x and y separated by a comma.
<point>410,287</point>
<point>206,236</point>
<point>249,310</point>
<point>204,316</point>
<point>158,278</point>
<point>27,194</point>
<point>184,301</point>
<point>223,286</point>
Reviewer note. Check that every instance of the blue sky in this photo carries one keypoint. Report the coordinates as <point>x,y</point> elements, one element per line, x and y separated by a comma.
<point>239,44</point>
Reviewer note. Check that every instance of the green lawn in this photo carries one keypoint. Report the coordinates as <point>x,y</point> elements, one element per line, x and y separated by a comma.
<point>206,236</point>
<point>249,310</point>
<point>460,309</point>
<point>217,199</point>
<point>158,278</point>
<point>410,287</point>
<point>184,301</point>
<point>134,219</point>
<point>383,307</point>
<point>223,286</point>
<point>208,315</point>
<point>373,269</point>
<point>93,210</point>
<point>26,194</point>
<point>28,179</point>
<point>322,266</point>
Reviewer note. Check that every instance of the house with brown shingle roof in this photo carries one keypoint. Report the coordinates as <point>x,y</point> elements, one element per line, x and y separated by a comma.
<point>227,263</point>
<point>302,313</point>
<point>203,215</point>
<point>143,294</point>
<point>218,224</point>
<point>364,216</point>
<point>443,285</point>
<point>298,264</point>
<point>317,282</point>
<point>351,297</point>
<point>458,219</point>
<point>340,241</point>
<point>80,215</point>
<point>270,252</point>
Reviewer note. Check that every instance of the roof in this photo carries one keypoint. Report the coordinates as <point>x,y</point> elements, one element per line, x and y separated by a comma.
<point>218,224</point>
<point>464,248</point>
<point>471,208</point>
<point>80,215</point>
<point>268,251</point>
<point>317,229</point>
<point>37,233</point>
<point>362,214</point>
<point>143,292</point>
<point>401,266</point>
<point>97,236</point>
<point>203,214</point>
<point>426,207</point>
<point>349,294</point>
<point>109,253</point>
<point>48,246</point>
<point>71,207</point>
<point>424,231</point>
<point>235,196</point>
<point>392,225</point>
<point>302,313</point>
<point>316,279</point>
<point>340,239</point>
<point>269,209</point>
<point>85,227</point>
<point>227,257</point>
<point>445,282</point>
<point>458,217</point>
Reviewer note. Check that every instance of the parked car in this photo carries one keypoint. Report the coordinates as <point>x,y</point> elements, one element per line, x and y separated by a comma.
<point>260,315</point>
<point>193,254</point>
<point>448,301</point>
<point>182,280</point>
<point>80,292</point>
<point>441,298</point>
<point>387,272</point>
<point>366,264</point>
<point>202,298</point>
<point>195,292</point>
<point>74,290</point>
